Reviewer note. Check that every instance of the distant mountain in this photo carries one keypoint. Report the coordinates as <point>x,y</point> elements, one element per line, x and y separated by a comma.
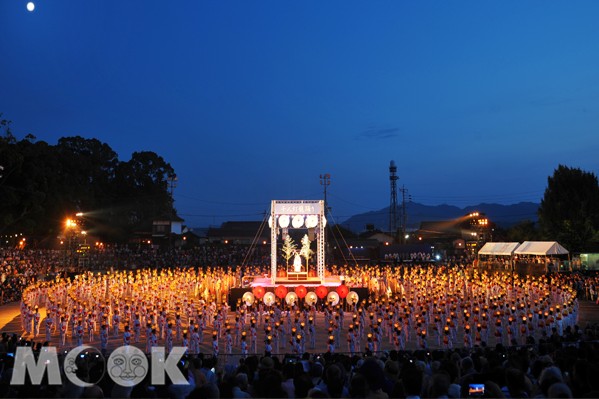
<point>503,215</point>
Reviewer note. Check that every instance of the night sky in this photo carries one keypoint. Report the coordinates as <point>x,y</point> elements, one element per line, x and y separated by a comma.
<point>476,101</point>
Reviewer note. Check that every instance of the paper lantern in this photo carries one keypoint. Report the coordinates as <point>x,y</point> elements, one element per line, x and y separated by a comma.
<point>311,221</point>
<point>342,290</point>
<point>321,291</point>
<point>284,221</point>
<point>248,298</point>
<point>291,298</point>
<point>301,291</point>
<point>352,298</point>
<point>297,221</point>
<point>259,291</point>
<point>311,298</point>
<point>333,298</point>
<point>281,291</point>
<point>269,299</point>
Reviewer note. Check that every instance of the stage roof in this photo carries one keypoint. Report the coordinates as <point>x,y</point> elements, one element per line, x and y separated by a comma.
<point>499,248</point>
<point>541,248</point>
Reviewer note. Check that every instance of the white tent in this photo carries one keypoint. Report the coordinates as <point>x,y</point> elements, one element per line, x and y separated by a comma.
<point>541,248</point>
<point>499,248</point>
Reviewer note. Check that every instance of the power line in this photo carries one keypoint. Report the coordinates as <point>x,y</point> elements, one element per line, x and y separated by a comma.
<point>222,215</point>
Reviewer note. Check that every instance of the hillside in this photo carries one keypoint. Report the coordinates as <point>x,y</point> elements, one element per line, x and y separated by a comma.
<point>503,215</point>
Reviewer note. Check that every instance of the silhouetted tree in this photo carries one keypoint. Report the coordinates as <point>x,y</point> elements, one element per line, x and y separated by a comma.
<point>523,231</point>
<point>569,211</point>
<point>142,190</point>
<point>42,184</point>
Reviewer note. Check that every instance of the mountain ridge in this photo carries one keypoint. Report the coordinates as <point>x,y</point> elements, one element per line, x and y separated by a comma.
<point>503,215</point>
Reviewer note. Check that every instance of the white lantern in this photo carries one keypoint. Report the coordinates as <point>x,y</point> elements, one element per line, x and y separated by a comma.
<point>333,298</point>
<point>248,298</point>
<point>311,298</point>
<point>291,298</point>
<point>352,298</point>
<point>269,298</point>
<point>284,221</point>
<point>311,221</point>
<point>298,221</point>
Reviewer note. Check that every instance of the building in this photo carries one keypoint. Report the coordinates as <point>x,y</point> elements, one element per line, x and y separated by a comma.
<point>244,233</point>
<point>468,232</point>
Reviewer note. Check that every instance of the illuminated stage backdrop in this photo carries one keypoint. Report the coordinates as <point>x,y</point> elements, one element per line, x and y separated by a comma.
<point>302,214</point>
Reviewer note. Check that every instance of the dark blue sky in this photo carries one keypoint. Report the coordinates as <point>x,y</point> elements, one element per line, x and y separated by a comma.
<point>476,101</point>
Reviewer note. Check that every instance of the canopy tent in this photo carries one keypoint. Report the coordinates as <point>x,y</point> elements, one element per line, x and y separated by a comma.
<point>541,248</point>
<point>499,248</point>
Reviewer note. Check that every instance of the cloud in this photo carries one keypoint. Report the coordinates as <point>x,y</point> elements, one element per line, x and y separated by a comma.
<point>379,134</point>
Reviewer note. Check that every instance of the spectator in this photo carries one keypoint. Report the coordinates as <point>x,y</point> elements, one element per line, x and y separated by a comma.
<point>373,373</point>
<point>240,388</point>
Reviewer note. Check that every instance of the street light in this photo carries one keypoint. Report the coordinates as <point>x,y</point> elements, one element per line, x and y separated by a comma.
<point>71,230</point>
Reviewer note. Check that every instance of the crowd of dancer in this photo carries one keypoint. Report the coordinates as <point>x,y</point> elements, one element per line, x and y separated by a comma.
<point>21,267</point>
<point>428,331</point>
<point>415,308</point>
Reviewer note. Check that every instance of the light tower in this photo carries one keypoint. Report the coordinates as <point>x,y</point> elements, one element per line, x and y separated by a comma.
<point>393,205</point>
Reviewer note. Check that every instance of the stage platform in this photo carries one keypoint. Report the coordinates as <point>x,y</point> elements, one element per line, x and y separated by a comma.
<point>235,294</point>
<point>262,281</point>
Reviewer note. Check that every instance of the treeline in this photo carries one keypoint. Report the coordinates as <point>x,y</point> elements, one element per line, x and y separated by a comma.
<point>42,184</point>
<point>569,213</point>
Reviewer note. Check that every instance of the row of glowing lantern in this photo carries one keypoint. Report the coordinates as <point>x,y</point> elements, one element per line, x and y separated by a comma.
<point>298,221</point>
<point>300,292</point>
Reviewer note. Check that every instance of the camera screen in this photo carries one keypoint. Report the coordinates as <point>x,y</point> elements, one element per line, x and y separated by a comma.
<point>476,389</point>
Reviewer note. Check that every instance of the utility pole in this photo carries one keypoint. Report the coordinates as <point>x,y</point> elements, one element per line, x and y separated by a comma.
<point>325,181</point>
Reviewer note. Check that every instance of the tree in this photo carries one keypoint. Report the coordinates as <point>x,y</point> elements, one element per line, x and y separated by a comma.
<point>42,184</point>
<point>523,231</point>
<point>85,182</point>
<point>288,248</point>
<point>24,186</point>
<point>142,191</point>
<point>569,211</point>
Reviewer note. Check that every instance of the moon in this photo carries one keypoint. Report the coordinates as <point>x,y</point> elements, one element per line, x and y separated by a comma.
<point>70,365</point>
<point>30,6</point>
